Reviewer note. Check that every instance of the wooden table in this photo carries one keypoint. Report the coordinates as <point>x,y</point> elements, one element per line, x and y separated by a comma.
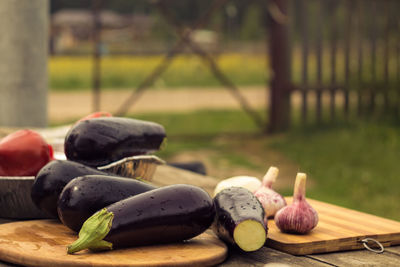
<point>267,256</point>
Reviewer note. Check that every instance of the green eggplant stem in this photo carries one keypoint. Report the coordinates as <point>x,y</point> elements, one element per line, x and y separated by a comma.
<point>92,233</point>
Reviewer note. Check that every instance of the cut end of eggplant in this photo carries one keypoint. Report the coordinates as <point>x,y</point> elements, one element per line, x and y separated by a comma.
<point>250,235</point>
<point>240,218</point>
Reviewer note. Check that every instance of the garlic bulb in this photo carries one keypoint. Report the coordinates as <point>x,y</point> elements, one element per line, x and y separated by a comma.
<point>270,199</point>
<point>298,217</point>
<point>249,182</point>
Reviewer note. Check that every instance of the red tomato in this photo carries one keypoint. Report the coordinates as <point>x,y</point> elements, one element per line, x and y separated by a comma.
<point>23,153</point>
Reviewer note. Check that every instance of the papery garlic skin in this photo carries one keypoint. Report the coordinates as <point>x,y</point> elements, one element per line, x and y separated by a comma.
<point>249,182</point>
<point>299,217</point>
<point>270,199</point>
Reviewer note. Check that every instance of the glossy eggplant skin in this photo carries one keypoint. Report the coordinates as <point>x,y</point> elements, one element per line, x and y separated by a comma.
<point>234,205</point>
<point>168,214</point>
<point>100,141</point>
<point>51,179</point>
<point>85,195</point>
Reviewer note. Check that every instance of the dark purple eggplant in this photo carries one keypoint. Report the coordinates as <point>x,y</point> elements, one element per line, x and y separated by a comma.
<point>100,141</point>
<point>240,219</point>
<point>51,179</point>
<point>85,195</point>
<point>164,215</point>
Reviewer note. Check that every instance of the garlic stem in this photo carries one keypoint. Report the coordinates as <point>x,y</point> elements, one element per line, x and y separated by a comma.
<point>299,192</point>
<point>270,177</point>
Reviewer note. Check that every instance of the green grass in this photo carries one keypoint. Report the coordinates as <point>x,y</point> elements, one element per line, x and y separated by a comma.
<point>203,122</point>
<point>75,73</point>
<point>244,69</point>
<point>354,165</point>
<point>206,130</point>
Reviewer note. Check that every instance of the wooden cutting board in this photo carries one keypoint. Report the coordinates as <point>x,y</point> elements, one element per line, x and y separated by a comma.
<point>43,243</point>
<point>338,229</point>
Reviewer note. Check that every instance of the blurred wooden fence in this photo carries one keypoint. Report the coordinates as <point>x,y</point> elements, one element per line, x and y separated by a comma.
<point>349,55</point>
<point>347,51</point>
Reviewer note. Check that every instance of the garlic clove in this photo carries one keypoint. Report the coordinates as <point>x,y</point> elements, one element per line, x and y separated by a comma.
<point>249,182</point>
<point>270,199</point>
<point>299,217</point>
<point>270,177</point>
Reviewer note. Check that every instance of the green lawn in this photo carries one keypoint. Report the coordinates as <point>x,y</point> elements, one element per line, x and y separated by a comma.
<point>75,73</point>
<point>244,69</point>
<point>354,165</point>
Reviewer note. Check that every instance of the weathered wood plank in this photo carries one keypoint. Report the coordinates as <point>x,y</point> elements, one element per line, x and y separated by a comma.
<point>358,258</point>
<point>395,250</point>
<point>5,264</point>
<point>267,257</point>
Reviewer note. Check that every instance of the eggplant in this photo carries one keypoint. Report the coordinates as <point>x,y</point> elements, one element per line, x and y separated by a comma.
<point>164,215</point>
<point>85,195</point>
<point>51,179</point>
<point>100,141</point>
<point>239,219</point>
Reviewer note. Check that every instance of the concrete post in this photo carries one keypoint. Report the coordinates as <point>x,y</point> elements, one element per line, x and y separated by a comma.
<point>23,62</point>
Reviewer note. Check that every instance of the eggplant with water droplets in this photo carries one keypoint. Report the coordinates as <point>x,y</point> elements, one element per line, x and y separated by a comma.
<point>85,195</point>
<point>100,141</point>
<point>240,219</point>
<point>164,215</point>
<point>51,179</point>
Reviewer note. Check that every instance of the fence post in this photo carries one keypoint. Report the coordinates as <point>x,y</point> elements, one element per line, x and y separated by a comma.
<point>23,63</point>
<point>96,56</point>
<point>279,55</point>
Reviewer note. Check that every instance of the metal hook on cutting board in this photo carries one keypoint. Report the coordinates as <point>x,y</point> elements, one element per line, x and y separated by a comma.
<point>365,243</point>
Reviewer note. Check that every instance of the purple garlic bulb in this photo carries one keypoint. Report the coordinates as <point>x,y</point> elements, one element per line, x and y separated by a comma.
<point>299,217</point>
